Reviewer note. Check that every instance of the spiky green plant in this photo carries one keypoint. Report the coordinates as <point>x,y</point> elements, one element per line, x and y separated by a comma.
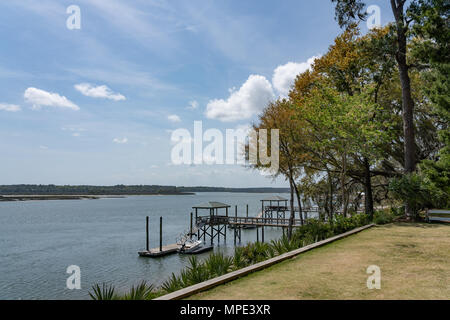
<point>217,264</point>
<point>172,284</point>
<point>142,291</point>
<point>105,292</point>
<point>239,261</point>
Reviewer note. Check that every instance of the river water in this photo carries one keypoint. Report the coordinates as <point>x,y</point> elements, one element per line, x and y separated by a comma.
<point>40,239</point>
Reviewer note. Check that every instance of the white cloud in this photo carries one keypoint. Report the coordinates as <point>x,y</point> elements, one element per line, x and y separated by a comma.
<point>284,76</point>
<point>9,107</point>
<point>98,92</point>
<point>40,98</point>
<point>251,98</point>
<point>193,105</point>
<point>174,118</point>
<point>120,141</point>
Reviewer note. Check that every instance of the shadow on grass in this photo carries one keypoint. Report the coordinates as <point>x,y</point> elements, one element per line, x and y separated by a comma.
<point>423,225</point>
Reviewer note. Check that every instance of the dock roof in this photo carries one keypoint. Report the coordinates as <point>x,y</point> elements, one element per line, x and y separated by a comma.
<point>212,205</point>
<point>275,198</point>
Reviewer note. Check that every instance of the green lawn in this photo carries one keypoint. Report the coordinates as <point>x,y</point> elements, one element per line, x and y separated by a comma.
<point>414,260</point>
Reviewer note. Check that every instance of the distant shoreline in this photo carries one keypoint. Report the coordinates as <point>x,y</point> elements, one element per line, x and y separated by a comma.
<point>29,192</point>
<point>8,198</point>
<point>41,197</point>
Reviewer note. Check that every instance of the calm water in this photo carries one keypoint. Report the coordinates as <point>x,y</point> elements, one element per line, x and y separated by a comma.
<point>40,239</point>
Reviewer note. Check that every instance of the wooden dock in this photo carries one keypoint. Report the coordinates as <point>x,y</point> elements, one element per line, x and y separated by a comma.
<point>156,252</point>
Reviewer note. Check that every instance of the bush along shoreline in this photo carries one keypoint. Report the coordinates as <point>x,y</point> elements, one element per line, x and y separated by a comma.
<point>218,264</point>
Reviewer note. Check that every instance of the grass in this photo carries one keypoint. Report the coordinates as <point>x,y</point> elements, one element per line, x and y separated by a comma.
<point>414,261</point>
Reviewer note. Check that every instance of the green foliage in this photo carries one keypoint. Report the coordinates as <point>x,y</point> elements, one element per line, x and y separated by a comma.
<point>172,284</point>
<point>256,252</point>
<point>105,292</point>
<point>383,217</point>
<point>283,245</point>
<point>217,264</point>
<point>426,189</point>
<point>314,230</point>
<point>142,291</point>
<point>349,11</point>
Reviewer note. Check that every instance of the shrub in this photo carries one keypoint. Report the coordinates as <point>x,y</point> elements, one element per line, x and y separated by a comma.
<point>383,217</point>
<point>142,291</point>
<point>105,292</point>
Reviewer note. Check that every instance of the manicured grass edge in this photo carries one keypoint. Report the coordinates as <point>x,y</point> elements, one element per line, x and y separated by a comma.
<point>186,292</point>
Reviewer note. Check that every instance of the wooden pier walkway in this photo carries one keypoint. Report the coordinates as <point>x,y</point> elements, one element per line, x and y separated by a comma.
<point>248,221</point>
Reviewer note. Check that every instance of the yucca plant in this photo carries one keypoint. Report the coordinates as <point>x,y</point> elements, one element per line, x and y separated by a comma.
<point>142,291</point>
<point>196,272</point>
<point>284,245</point>
<point>217,264</point>
<point>105,292</point>
<point>172,284</point>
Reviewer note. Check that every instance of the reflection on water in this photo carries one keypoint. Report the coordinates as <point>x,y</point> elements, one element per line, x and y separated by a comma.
<point>40,239</point>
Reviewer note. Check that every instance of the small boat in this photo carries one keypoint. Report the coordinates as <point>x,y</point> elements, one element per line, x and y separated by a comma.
<point>194,247</point>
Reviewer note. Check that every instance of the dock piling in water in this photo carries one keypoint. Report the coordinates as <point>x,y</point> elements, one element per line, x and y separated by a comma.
<point>146,233</point>
<point>190,231</point>
<point>160,234</point>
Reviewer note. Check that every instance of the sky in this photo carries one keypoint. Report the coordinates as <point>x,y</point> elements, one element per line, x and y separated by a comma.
<point>98,104</point>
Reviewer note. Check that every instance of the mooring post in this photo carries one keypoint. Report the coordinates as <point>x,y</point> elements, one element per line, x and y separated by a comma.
<point>257,234</point>
<point>262,234</point>
<point>160,234</point>
<point>246,214</point>
<point>146,234</point>
<point>190,232</point>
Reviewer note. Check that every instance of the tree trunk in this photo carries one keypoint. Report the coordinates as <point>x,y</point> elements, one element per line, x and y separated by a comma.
<point>299,203</point>
<point>407,101</point>
<point>330,184</point>
<point>291,218</point>
<point>343,189</point>
<point>368,196</point>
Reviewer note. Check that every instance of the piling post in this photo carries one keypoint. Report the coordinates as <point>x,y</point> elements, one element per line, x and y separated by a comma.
<point>235,226</point>
<point>190,232</point>
<point>257,234</point>
<point>146,234</point>
<point>160,234</point>
<point>262,234</point>
<point>240,235</point>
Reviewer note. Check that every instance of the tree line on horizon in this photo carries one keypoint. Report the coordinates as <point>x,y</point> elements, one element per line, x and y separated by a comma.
<point>369,120</point>
<point>34,189</point>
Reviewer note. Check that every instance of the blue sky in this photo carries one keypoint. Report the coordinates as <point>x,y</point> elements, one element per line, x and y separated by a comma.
<point>98,105</point>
